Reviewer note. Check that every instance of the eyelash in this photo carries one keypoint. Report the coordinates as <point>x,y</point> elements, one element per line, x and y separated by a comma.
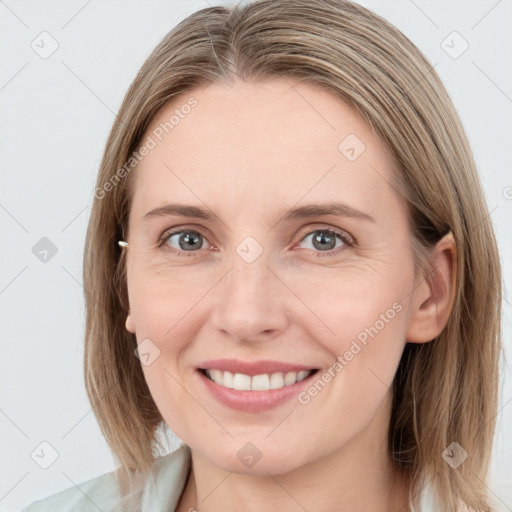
<point>348,240</point>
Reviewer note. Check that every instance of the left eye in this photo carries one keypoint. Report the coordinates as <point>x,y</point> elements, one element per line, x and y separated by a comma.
<point>325,240</point>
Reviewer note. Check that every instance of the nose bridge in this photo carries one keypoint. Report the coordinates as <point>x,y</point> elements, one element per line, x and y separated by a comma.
<point>249,275</point>
<point>252,299</point>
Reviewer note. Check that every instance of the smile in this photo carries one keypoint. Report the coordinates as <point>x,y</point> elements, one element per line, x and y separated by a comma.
<point>262,382</point>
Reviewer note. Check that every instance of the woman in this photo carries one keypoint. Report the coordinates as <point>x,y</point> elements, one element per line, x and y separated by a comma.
<point>290,263</point>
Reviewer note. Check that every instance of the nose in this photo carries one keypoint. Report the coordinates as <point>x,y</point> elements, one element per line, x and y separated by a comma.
<point>250,302</point>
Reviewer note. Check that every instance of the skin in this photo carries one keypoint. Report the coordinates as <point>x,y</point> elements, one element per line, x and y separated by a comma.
<point>250,152</point>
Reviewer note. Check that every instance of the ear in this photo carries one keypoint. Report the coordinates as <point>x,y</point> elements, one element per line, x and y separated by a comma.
<point>130,322</point>
<point>434,295</point>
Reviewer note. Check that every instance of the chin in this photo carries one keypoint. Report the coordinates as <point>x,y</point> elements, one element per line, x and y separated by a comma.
<point>250,460</point>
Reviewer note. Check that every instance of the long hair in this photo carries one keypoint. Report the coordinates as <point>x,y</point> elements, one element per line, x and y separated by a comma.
<point>444,391</point>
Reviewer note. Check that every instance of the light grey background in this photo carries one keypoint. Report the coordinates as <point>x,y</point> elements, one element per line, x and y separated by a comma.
<point>56,113</point>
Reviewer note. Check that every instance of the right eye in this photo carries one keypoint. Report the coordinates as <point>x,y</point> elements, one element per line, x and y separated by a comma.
<point>184,242</point>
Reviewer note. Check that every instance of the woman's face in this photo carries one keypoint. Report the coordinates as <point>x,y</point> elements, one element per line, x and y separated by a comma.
<point>271,273</point>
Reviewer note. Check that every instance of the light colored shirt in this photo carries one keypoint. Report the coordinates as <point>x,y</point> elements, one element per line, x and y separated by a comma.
<point>162,495</point>
<point>101,493</point>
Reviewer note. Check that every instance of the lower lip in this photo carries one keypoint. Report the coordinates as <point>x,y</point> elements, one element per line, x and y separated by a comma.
<point>253,401</point>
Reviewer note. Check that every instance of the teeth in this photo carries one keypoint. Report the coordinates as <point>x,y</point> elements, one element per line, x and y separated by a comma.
<point>303,374</point>
<point>276,381</point>
<point>290,378</point>
<point>260,382</point>
<point>242,382</point>
<point>228,378</point>
<point>263,382</point>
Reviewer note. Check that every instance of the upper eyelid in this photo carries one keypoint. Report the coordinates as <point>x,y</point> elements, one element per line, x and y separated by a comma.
<point>343,233</point>
<point>174,231</point>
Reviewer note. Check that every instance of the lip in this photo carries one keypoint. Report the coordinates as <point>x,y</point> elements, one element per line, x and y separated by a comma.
<point>254,401</point>
<point>252,368</point>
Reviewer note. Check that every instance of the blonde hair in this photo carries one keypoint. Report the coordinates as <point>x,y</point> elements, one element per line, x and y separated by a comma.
<point>444,391</point>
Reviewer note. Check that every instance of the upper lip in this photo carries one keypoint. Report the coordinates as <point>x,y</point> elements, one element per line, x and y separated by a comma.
<point>252,367</point>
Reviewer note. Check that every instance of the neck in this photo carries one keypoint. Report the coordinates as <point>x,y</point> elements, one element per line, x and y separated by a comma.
<point>359,476</point>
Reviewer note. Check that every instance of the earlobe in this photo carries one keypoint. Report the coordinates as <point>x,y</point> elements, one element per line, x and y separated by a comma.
<point>130,324</point>
<point>434,296</point>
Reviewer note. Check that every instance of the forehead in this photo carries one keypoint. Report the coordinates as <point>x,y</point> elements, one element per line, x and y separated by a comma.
<point>255,143</point>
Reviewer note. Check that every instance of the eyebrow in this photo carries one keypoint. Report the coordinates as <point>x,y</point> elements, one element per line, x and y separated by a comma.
<point>302,212</point>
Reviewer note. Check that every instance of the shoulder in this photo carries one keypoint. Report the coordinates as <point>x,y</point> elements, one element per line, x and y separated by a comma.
<point>97,493</point>
<point>102,493</point>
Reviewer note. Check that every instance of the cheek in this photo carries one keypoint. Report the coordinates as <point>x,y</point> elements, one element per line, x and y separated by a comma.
<point>360,320</point>
<point>365,350</point>
<point>170,397</point>
<point>163,304</point>
<point>350,304</point>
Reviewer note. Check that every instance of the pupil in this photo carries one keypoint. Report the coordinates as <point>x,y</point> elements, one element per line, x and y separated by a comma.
<point>190,239</point>
<point>320,239</point>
